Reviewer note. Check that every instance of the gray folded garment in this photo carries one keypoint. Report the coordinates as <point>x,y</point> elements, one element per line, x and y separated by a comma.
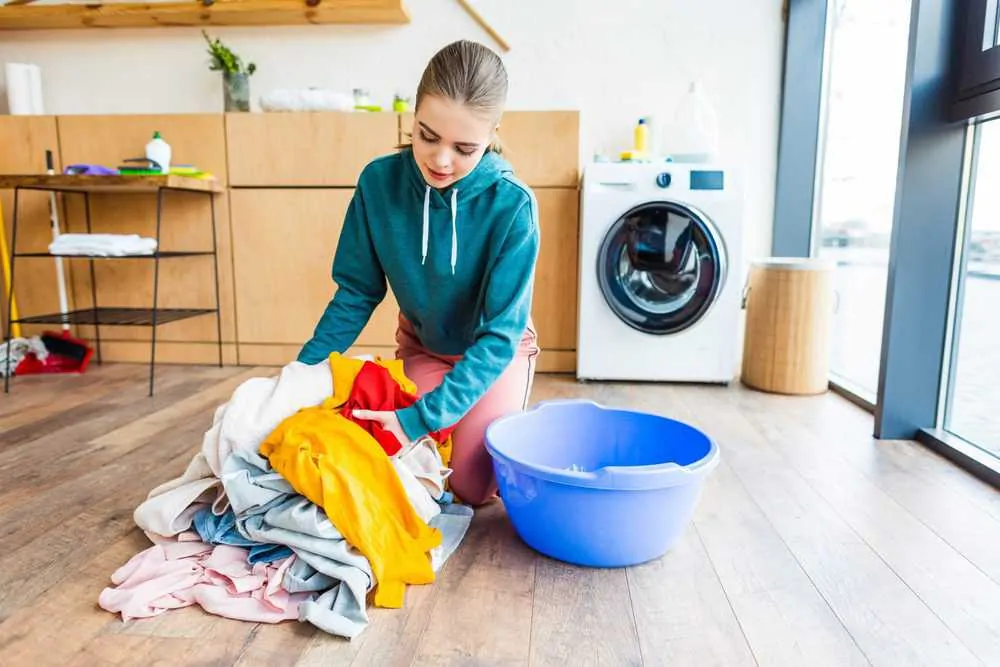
<point>269,510</point>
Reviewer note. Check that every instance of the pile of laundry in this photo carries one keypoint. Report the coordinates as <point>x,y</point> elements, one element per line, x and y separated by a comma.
<point>294,509</point>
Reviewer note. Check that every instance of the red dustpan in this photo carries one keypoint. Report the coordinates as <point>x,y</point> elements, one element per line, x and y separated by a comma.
<point>66,354</point>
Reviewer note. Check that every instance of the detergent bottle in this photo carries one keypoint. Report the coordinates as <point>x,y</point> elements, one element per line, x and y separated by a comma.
<point>159,150</point>
<point>641,141</point>
<point>694,133</point>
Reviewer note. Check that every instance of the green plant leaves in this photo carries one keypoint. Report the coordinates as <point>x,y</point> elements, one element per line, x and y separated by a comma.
<point>223,59</point>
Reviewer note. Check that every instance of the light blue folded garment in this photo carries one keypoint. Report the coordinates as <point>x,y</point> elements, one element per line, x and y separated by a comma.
<point>221,529</point>
<point>268,510</point>
<point>320,548</point>
<point>340,609</point>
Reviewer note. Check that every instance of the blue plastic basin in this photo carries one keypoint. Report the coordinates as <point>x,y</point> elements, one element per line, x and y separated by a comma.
<point>597,486</point>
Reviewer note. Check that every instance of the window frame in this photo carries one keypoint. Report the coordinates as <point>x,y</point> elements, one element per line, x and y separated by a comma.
<point>977,82</point>
<point>956,301</point>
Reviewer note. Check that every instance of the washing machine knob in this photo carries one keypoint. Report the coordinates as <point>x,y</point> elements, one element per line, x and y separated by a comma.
<point>663,179</point>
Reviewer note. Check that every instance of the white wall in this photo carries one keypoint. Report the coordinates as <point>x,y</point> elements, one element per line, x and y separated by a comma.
<point>614,61</point>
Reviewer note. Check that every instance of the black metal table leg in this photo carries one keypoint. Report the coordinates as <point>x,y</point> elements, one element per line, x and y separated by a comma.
<point>156,288</point>
<point>215,259</point>
<point>10,298</point>
<point>93,284</point>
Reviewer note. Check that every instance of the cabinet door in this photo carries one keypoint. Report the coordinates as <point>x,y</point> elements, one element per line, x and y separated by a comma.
<point>543,146</point>
<point>555,296</point>
<point>283,246</point>
<point>305,149</point>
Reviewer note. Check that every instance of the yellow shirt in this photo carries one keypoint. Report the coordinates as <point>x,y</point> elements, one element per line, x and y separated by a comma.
<point>339,466</point>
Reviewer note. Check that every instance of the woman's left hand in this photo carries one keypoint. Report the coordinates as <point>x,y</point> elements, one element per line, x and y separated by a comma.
<point>388,420</point>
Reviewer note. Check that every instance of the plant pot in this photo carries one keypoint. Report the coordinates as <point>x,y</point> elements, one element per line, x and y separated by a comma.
<point>236,88</point>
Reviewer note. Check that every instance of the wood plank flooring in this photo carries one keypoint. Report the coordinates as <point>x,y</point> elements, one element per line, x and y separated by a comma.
<point>812,545</point>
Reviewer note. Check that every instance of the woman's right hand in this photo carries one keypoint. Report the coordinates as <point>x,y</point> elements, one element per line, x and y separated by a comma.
<point>388,420</point>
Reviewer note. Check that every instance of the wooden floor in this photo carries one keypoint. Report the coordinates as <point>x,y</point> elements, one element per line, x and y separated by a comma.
<point>812,545</point>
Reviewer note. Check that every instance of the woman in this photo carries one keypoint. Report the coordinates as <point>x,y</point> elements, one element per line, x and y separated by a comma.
<point>455,234</point>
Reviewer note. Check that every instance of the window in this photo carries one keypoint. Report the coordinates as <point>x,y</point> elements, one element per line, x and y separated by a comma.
<point>972,401</point>
<point>856,176</point>
<point>979,70</point>
<point>991,34</point>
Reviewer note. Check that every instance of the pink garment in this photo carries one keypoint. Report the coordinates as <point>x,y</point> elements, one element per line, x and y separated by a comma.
<point>179,574</point>
<point>473,480</point>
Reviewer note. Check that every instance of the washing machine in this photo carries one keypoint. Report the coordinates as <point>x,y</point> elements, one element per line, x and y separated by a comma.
<point>660,288</point>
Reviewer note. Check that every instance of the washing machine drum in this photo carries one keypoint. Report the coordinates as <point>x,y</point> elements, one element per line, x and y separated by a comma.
<point>661,266</point>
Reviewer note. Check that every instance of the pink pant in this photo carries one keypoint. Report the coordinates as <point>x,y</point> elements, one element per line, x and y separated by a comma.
<point>472,480</point>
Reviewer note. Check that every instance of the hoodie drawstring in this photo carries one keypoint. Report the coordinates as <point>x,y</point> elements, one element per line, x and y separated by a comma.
<point>454,233</point>
<point>454,227</point>
<point>427,208</point>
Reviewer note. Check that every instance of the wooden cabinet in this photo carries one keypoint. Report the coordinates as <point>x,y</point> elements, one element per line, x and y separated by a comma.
<point>306,149</point>
<point>284,243</point>
<point>290,177</point>
<point>554,308</point>
<point>285,237</point>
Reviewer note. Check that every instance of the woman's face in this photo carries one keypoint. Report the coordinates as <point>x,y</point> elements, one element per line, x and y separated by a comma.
<point>448,140</point>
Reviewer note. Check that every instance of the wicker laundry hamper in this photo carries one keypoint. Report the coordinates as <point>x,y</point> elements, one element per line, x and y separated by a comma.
<point>789,304</point>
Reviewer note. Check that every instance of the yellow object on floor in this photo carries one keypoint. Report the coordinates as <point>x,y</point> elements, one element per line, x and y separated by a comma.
<point>337,465</point>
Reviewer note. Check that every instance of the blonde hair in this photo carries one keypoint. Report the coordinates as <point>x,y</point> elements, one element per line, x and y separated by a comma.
<point>468,73</point>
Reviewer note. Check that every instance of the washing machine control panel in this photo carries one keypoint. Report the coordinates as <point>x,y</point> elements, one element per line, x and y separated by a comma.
<point>663,179</point>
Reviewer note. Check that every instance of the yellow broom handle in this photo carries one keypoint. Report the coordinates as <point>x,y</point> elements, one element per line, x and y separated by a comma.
<point>15,328</point>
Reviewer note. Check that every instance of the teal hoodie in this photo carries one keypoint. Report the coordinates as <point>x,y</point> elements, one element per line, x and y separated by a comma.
<point>461,264</point>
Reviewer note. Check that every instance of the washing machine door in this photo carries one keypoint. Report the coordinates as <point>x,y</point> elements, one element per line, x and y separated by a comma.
<point>661,266</point>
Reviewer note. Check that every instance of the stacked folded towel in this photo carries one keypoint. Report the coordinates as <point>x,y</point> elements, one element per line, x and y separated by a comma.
<point>102,245</point>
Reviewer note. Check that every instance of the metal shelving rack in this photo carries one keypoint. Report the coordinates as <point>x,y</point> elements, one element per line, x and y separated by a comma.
<point>98,316</point>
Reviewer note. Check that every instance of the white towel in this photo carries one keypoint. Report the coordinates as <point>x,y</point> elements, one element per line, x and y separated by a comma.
<point>17,349</point>
<point>104,245</point>
<point>255,409</point>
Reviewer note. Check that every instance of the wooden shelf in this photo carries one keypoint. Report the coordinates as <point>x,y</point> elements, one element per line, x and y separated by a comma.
<point>201,13</point>
<point>111,183</point>
<point>130,317</point>
<point>166,254</point>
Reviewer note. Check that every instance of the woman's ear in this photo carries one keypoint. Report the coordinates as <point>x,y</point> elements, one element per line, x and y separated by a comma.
<point>495,144</point>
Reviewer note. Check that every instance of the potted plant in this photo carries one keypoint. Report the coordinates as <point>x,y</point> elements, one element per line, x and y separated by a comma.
<point>235,74</point>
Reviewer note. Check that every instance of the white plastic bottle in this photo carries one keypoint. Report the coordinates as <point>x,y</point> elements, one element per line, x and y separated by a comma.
<point>159,150</point>
<point>694,135</point>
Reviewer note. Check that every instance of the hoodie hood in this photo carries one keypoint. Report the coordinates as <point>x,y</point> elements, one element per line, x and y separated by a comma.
<point>491,168</point>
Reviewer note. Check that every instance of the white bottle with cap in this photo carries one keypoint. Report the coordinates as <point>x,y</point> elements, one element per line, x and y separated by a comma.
<point>158,150</point>
<point>694,135</point>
